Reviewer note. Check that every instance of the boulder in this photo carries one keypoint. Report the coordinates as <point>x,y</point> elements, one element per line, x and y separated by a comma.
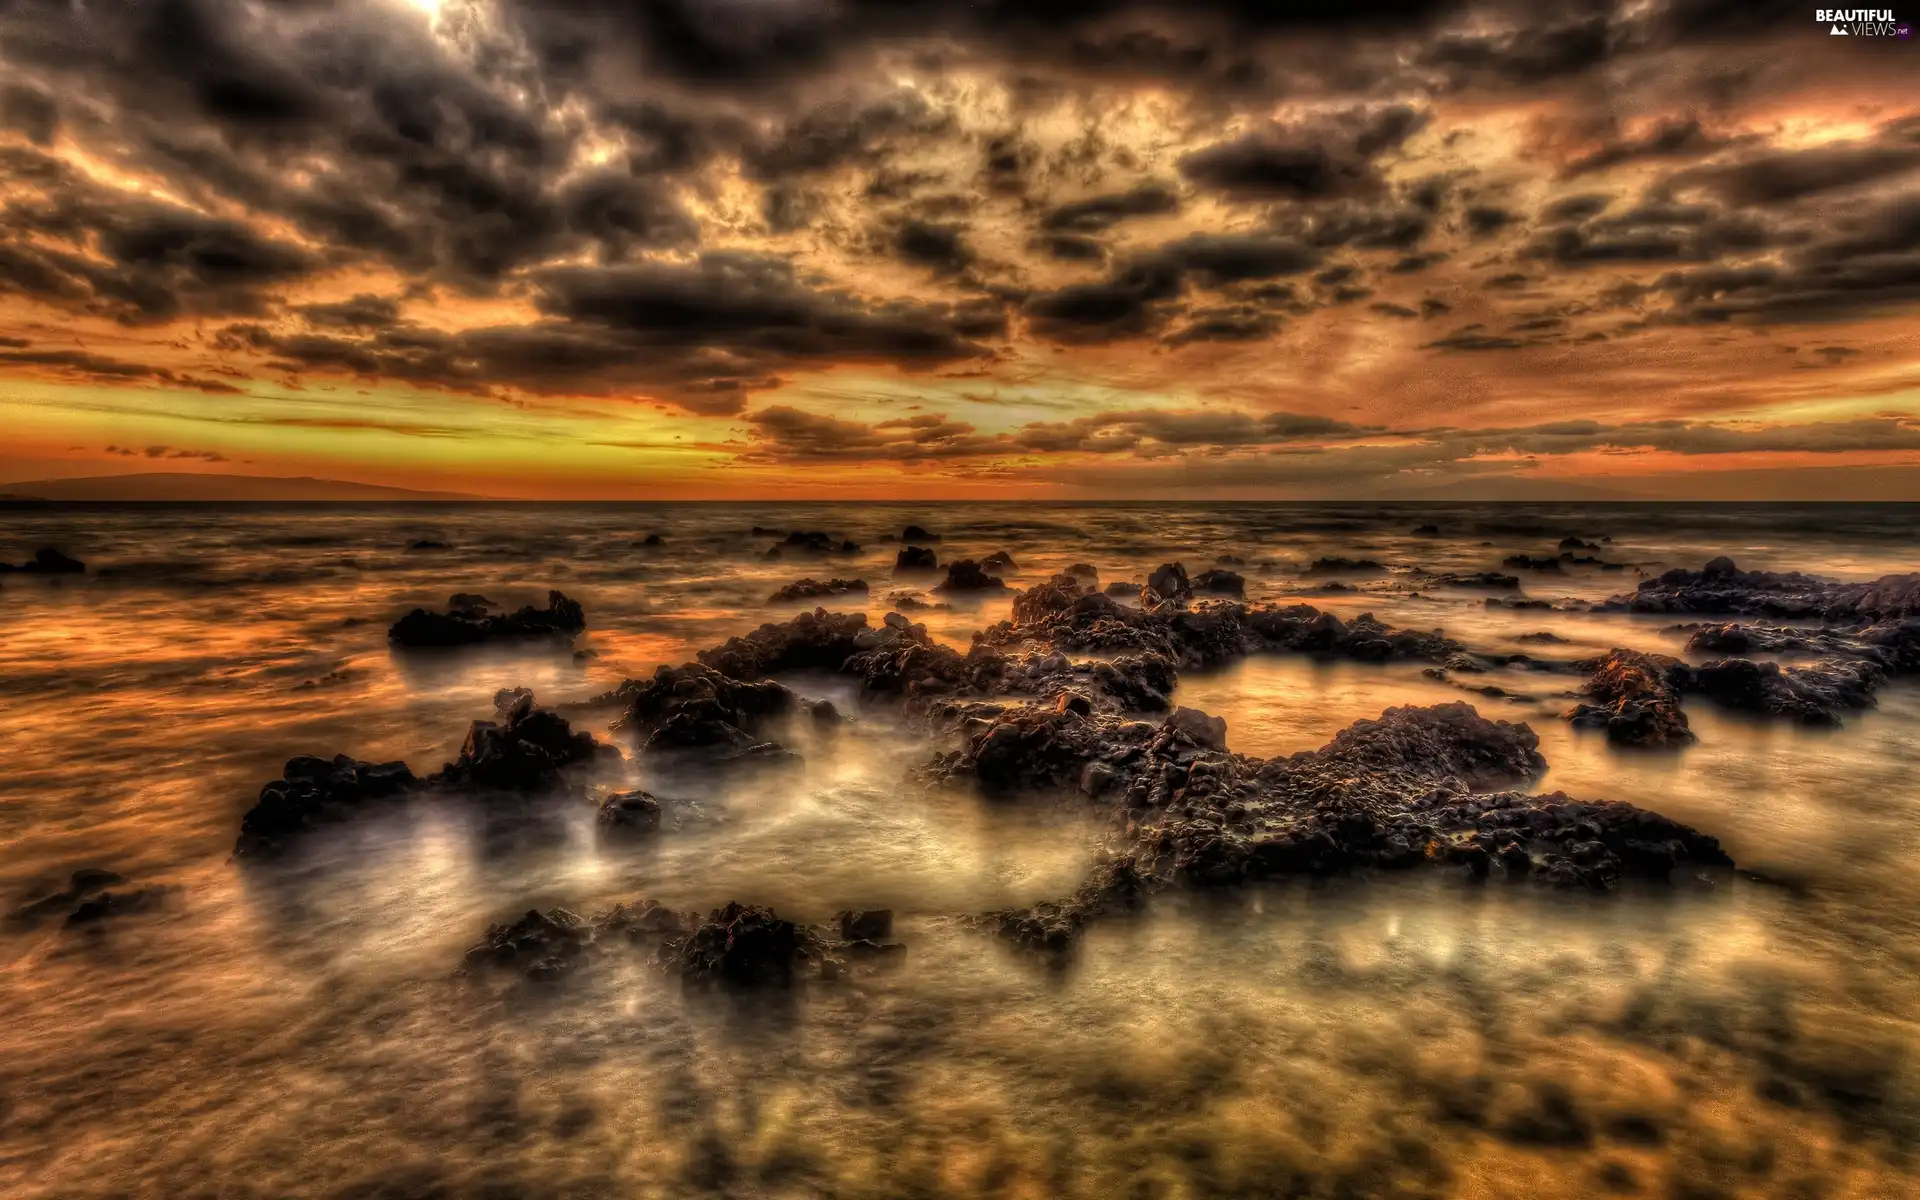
<point>814,589</point>
<point>915,558</point>
<point>467,622</point>
<point>969,576</point>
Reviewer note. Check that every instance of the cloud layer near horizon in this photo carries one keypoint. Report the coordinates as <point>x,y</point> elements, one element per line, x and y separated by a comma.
<point>1076,246</point>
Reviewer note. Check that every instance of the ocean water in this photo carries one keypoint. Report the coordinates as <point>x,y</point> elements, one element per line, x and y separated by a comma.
<point>300,1031</point>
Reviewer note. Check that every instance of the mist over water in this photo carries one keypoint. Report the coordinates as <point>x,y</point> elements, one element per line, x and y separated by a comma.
<point>298,1030</point>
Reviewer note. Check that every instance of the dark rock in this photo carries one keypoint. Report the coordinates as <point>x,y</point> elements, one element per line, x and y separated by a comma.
<point>1426,531</point>
<point>744,946</point>
<point>763,531</point>
<point>1574,543</point>
<point>816,542</point>
<point>913,533</point>
<point>1814,695</point>
<point>998,562</point>
<point>1122,588</point>
<point>1524,562</point>
<point>653,539</point>
<point>635,811</point>
<point>969,576</point>
<point>47,561</point>
<point>470,624</point>
<point>1480,579</point>
<point>1229,560</point>
<point>421,544</point>
<point>1344,566</point>
<point>915,558</point>
<point>866,925</point>
<point>313,791</point>
<point>818,640</point>
<point>1220,583</point>
<point>1543,637</point>
<point>814,589</point>
<point>1721,587</point>
<point>1168,582</point>
<point>523,751</point>
<point>119,904</point>
<point>1084,571</point>
<point>1636,699</point>
<point>546,947</point>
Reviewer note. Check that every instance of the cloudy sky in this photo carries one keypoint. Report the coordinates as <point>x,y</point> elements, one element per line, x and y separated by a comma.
<point>1057,248</point>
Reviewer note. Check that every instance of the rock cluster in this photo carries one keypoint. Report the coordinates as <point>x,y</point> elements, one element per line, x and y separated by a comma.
<point>970,576</point>
<point>470,621</point>
<point>46,561</point>
<point>814,589</point>
<point>1635,699</point>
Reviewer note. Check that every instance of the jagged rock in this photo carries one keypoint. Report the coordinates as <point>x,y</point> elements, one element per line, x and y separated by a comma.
<point>913,533</point>
<point>47,561</point>
<point>911,602</point>
<point>814,589</point>
<point>1574,543</point>
<point>998,562</point>
<point>816,542</point>
<point>1220,583</point>
<point>312,791</point>
<point>1204,731</point>
<point>1344,566</point>
<point>1636,699</point>
<point>1168,582</point>
<point>969,576</point>
<point>523,751</point>
<point>635,812</point>
<point>546,947</point>
<point>745,946</point>
<point>1722,588</point>
<point>1042,601</point>
<point>1387,794</point>
<point>865,925</point>
<point>1543,636</point>
<point>915,558</point>
<point>1120,587</point>
<point>469,623</point>
<point>818,640</point>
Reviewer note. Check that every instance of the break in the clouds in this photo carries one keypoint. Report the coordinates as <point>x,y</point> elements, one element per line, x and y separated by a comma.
<point>773,238</point>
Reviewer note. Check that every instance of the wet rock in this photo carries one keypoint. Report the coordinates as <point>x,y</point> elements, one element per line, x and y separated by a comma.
<point>1123,588</point>
<point>823,712</point>
<point>817,542</point>
<point>1426,531</point>
<point>314,791</point>
<point>80,884</point>
<point>970,576</point>
<point>814,589</point>
<point>106,905</point>
<point>1543,636</point>
<point>1229,560</point>
<point>468,622</point>
<point>1478,579</point>
<point>819,640</point>
<point>1814,695</point>
<point>865,925</point>
<point>999,562</point>
<point>915,558</point>
<point>47,561</point>
<point>523,751</point>
<point>545,946</point>
<point>763,531</point>
<point>912,602</point>
<point>1168,582</point>
<point>914,533</point>
<point>1526,562</point>
<point>424,544</point>
<point>1635,699</point>
<point>1084,572</point>
<point>1344,566</point>
<point>631,812</point>
<point>1220,583</point>
<point>744,946</point>
<point>653,539</point>
<point>1203,730</point>
<point>1518,602</point>
<point>1574,543</point>
<point>1721,587</point>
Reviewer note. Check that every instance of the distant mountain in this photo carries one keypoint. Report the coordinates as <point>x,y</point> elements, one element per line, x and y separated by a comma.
<point>190,485</point>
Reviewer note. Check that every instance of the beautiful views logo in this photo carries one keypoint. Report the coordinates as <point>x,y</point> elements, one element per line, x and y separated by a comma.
<point>1862,22</point>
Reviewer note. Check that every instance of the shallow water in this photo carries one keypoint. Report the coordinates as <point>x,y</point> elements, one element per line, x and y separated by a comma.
<point>297,1032</point>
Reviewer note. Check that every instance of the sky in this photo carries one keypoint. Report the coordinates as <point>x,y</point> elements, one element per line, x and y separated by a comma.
<point>1051,249</point>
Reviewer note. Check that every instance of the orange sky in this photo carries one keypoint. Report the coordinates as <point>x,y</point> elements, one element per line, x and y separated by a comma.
<point>1092,249</point>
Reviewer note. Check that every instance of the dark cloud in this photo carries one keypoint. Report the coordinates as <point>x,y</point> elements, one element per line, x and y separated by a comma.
<point>360,312</point>
<point>1101,213</point>
<point>171,452</point>
<point>80,364</point>
<point>1225,323</point>
<point>942,248</point>
<point>1071,247</point>
<point>1472,338</point>
<point>1326,161</point>
<point>1577,208</point>
<point>29,112</point>
<point>1664,140</point>
<point>1484,220</point>
<point>1139,297</point>
<point>1393,310</point>
<point>1779,177</point>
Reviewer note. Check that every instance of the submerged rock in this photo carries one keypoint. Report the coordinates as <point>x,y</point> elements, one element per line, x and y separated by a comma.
<point>633,812</point>
<point>1344,566</point>
<point>80,884</point>
<point>523,751</point>
<point>1722,587</point>
<point>914,533</point>
<point>1426,531</point>
<point>1220,583</point>
<point>998,561</point>
<point>814,589</point>
<point>1479,579</point>
<point>468,621</point>
<point>1814,695</point>
<point>1526,562</point>
<point>46,561</point>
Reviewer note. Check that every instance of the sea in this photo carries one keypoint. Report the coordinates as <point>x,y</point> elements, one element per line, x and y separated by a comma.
<point>302,1030</point>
